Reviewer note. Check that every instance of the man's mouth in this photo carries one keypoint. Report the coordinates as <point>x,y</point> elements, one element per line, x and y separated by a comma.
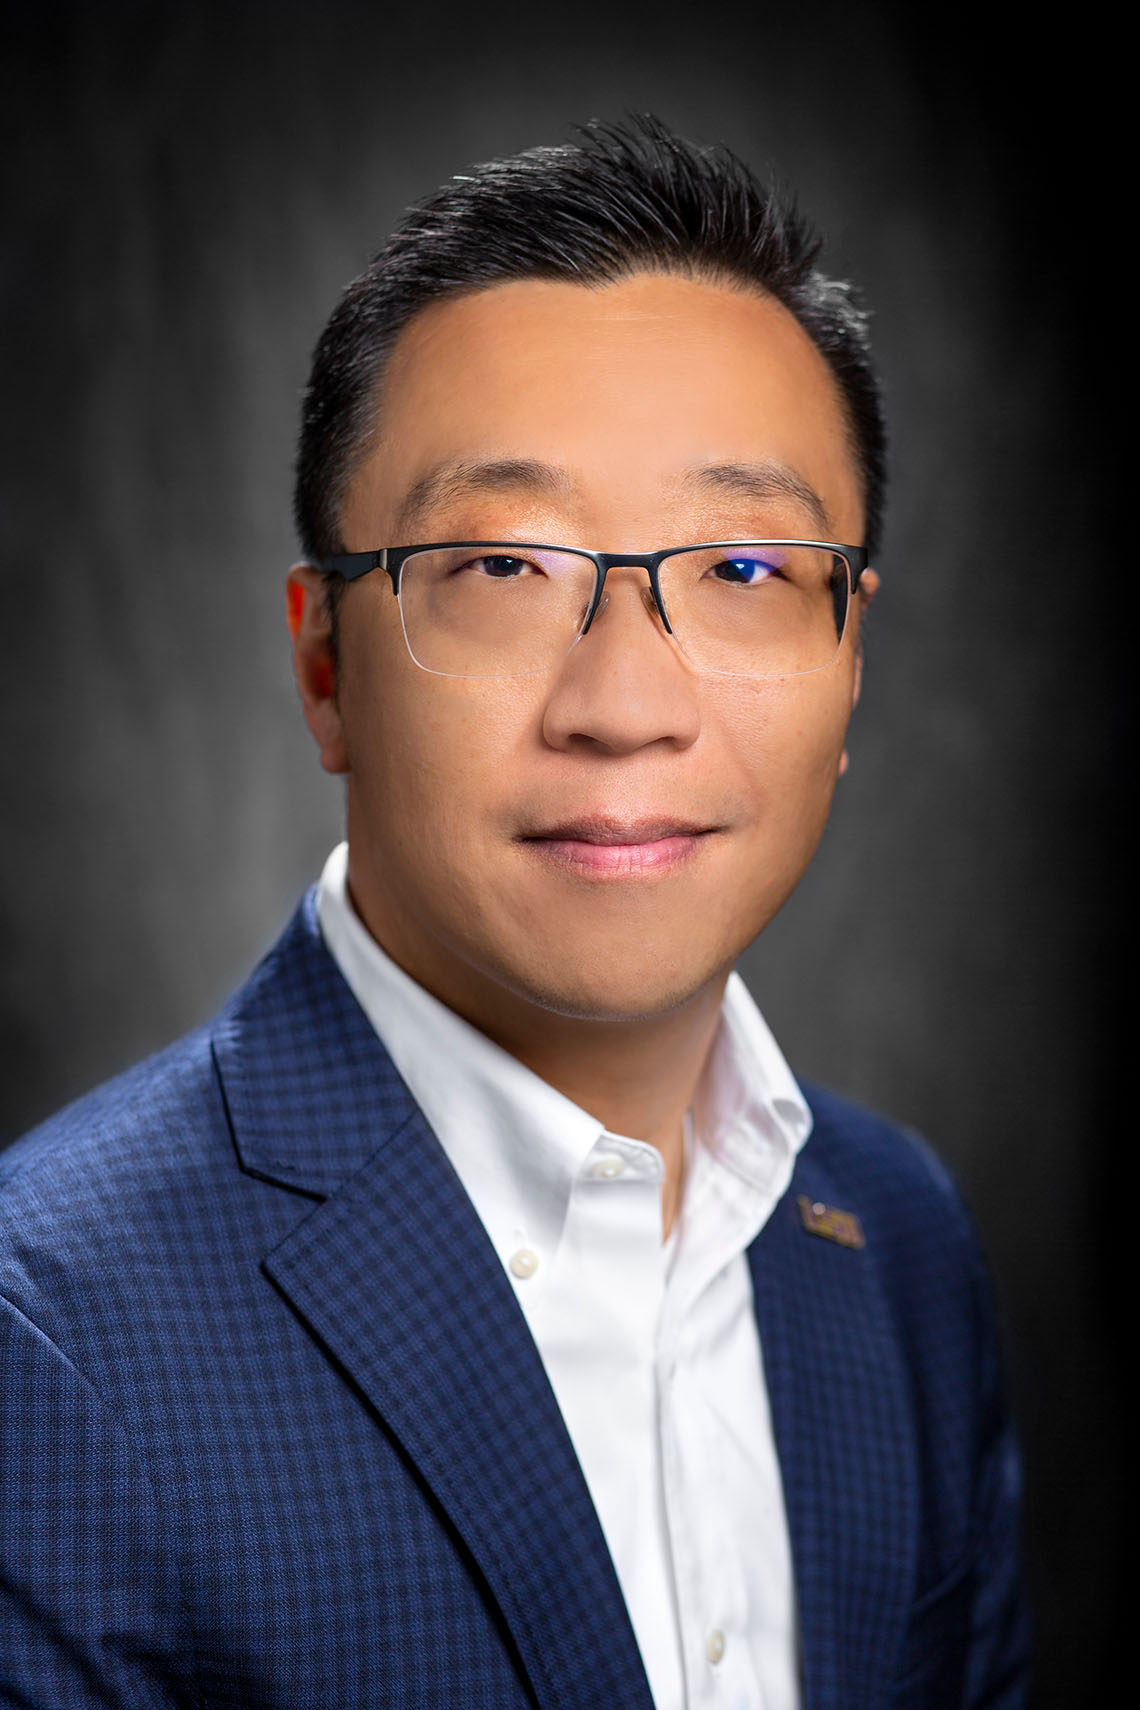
<point>601,846</point>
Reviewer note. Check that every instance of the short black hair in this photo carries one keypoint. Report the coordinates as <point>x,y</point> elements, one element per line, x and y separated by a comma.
<point>622,199</point>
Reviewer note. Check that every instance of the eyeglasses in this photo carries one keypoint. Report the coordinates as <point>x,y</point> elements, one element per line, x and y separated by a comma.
<point>741,608</point>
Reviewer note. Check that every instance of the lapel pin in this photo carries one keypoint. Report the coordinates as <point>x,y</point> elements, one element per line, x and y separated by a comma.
<point>831,1223</point>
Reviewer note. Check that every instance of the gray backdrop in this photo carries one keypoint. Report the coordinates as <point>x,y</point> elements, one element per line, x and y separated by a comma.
<point>186,190</point>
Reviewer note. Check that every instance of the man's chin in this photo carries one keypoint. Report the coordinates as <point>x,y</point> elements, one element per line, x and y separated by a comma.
<point>615,994</point>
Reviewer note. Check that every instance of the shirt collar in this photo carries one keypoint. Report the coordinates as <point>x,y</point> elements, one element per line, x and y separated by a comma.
<point>749,1112</point>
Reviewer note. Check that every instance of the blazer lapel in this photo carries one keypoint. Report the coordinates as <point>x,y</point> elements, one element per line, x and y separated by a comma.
<point>395,1274</point>
<point>841,1413</point>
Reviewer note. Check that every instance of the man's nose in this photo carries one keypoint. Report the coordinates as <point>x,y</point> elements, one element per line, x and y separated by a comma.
<point>624,684</point>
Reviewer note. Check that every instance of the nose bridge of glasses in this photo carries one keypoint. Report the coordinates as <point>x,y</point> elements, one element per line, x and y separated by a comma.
<point>626,560</point>
<point>649,592</point>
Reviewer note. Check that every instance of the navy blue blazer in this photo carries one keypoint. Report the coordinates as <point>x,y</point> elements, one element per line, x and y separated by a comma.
<point>275,1433</point>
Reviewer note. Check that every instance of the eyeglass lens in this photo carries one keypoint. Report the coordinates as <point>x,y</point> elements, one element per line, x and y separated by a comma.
<point>756,610</point>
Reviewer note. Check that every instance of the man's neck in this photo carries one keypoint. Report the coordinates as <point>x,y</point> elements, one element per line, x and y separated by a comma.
<point>638,1078</point>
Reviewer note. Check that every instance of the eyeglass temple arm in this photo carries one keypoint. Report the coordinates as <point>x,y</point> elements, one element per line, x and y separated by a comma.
<point>858,560</point>
<point>352,565</point>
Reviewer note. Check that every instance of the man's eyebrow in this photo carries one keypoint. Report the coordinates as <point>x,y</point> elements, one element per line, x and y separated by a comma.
<point>762,482</point>
<point>466,480</point>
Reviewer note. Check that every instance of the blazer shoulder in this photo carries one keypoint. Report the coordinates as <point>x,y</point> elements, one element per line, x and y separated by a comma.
<point>881,1157</point>
<point>146,1124</point>
<point>914,1214</point>
<point>155,1113</point>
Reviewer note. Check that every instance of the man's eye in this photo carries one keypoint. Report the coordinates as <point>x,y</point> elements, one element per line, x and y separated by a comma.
<point>501,566</point>
<point>746,571</point>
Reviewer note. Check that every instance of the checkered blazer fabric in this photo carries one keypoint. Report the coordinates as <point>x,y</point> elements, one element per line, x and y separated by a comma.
<point>274,1431</point>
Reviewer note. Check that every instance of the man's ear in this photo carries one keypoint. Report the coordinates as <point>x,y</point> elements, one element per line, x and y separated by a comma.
<point>868,584</point>
<point>314,663</point>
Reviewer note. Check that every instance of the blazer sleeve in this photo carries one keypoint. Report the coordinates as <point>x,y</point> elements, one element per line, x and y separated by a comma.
<point>89,1597</point>
<point>997,1674</point>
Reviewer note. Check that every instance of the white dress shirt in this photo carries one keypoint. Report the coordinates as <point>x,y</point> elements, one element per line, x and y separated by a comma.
<point>651,1346</point>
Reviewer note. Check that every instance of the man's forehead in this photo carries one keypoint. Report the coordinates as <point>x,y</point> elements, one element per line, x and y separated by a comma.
<point>453,480</point>
<point>505,397</point>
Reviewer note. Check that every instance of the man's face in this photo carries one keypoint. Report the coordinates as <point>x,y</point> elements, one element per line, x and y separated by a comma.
<point>472,802</point>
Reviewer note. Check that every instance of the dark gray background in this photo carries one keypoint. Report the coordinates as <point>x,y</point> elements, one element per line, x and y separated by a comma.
<point>186,190</point>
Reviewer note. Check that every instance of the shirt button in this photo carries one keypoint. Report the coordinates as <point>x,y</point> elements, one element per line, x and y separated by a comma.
<point>524,1263</point>
<point>714,1645</point>
<point>605,1169</point>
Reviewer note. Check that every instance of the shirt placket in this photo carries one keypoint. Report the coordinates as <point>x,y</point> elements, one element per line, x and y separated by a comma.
<point>708,1572</point>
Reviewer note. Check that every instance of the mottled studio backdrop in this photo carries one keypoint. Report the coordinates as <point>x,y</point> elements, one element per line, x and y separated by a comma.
<point>186,188</point>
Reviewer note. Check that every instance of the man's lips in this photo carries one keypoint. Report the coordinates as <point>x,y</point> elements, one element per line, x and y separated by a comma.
<point>601,845</point>
<point>603,830</point>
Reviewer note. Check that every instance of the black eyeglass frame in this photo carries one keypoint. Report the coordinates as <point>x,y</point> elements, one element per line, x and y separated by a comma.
<point>391,559</point>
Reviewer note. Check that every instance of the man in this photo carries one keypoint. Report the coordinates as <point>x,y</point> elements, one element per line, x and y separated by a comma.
<point>478,1312</point>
